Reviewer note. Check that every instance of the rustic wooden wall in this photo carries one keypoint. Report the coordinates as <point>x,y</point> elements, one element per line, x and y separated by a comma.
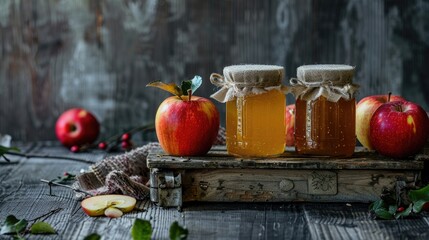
<point>100,54</point>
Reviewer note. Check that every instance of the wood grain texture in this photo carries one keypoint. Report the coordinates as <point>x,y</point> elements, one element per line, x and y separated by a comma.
<point>250,185</point>
<point>100,54</point>
<point>25,197</point>
<point>218,157</point>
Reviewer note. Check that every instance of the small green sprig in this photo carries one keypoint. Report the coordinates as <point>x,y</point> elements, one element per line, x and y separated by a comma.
<point>187,87</point>
<point>65,178</point>
<point>408,202</point>
<point>18,227</point>
<point>4,150</point>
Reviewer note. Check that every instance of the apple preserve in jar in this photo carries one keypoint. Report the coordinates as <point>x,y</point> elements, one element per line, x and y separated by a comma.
<point>255,109</point>
<point>325,110</point>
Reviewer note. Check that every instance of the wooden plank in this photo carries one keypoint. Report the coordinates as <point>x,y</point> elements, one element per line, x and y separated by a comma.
<point>6,168</point>
<point>249,185</point>
<point>245,221</point>
<point>25,197</point>
<point>219,158</point>
<point>334,221</point>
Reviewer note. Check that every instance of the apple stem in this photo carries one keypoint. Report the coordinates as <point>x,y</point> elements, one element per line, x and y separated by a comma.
<point>46,215</point>
<point>50,183</point>
<point>388,96</point>
<point>189,94</point>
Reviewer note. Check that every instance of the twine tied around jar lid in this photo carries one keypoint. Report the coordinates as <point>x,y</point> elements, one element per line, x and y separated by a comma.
<point>330,81</point>
<point>244,80</point>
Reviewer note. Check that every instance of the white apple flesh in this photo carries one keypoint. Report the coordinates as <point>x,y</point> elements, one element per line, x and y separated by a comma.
<point>112,212</point>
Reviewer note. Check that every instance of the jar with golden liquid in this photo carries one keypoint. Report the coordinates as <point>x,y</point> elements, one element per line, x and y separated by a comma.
<point>255,109</point>
<point>325,110</point>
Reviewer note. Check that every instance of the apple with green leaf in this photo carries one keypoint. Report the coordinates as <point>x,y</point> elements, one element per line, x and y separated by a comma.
<point>186,125</point>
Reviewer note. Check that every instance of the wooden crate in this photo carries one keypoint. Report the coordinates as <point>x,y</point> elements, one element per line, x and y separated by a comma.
<point>219,177</point>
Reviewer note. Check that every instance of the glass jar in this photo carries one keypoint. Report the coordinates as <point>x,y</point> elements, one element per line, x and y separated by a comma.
<point>255,109</point>
<point>325,110</point>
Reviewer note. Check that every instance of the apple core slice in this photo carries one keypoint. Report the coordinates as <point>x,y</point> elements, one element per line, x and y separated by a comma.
<point>112,212</point>
<point>96,206</point>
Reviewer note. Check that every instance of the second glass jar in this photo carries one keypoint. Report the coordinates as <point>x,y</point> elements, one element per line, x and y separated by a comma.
<point>325,117</point>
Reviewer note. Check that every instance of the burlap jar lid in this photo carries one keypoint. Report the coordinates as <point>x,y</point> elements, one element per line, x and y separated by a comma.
<point>329,80</point>
<point>242,80</point>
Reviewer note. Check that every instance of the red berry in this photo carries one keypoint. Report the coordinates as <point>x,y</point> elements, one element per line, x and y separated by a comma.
<point>74,148</point>
<point>102,145</point>
<point>426,206</point>
<point>400,209</point>
<point>125,145</point>
<point>126,137</point>
<point>66,173</point>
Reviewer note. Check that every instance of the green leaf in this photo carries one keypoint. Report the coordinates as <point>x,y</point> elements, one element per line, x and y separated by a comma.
<point>92,236</point>
<point>420,194</point>
<point>383,214</point>
<point>169,87</point>
<point>375,205</point>
<point>13,225</point>
<point>186,85</point>
<point>405,213</point>
<point>382,210</point>
<point>18,237</point>
<point>177,232</point>
<point>192,84</point>
<point>10,220</point>
<point>392,209</point>
<point>42,228</point>
<point>141,230</point>
<point>418,205</point>
<point>4,150</point>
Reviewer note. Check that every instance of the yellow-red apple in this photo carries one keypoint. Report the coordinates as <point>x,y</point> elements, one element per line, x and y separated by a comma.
<point>364,111</point>
<point>109,205</point>
<point>399,129</point>
<point>186,127</point>
<point>76,127</point>
<point>290,125</point>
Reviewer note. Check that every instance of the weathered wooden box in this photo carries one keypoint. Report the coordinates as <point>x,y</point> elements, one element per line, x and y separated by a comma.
<point>219,177</point>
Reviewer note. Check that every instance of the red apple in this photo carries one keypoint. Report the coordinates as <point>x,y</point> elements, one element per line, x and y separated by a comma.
<point>76,127</point>
<point>399,129</point>
<point>186,128</point>
<point>290,125</point>
<point>364,111</point>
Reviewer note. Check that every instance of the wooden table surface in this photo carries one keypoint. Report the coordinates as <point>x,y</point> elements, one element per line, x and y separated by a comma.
<point>23,195</point>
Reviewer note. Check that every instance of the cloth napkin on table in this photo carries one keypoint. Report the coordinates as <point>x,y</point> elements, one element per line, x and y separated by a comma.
<point>126,173</point>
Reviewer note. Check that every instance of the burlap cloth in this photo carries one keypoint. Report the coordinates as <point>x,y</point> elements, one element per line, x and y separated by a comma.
<point>243,80</point>
<point>125,173</point>
<point>330,81</point>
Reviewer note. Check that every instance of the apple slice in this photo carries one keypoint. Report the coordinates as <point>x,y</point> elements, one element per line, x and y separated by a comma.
<point>96,206</point>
